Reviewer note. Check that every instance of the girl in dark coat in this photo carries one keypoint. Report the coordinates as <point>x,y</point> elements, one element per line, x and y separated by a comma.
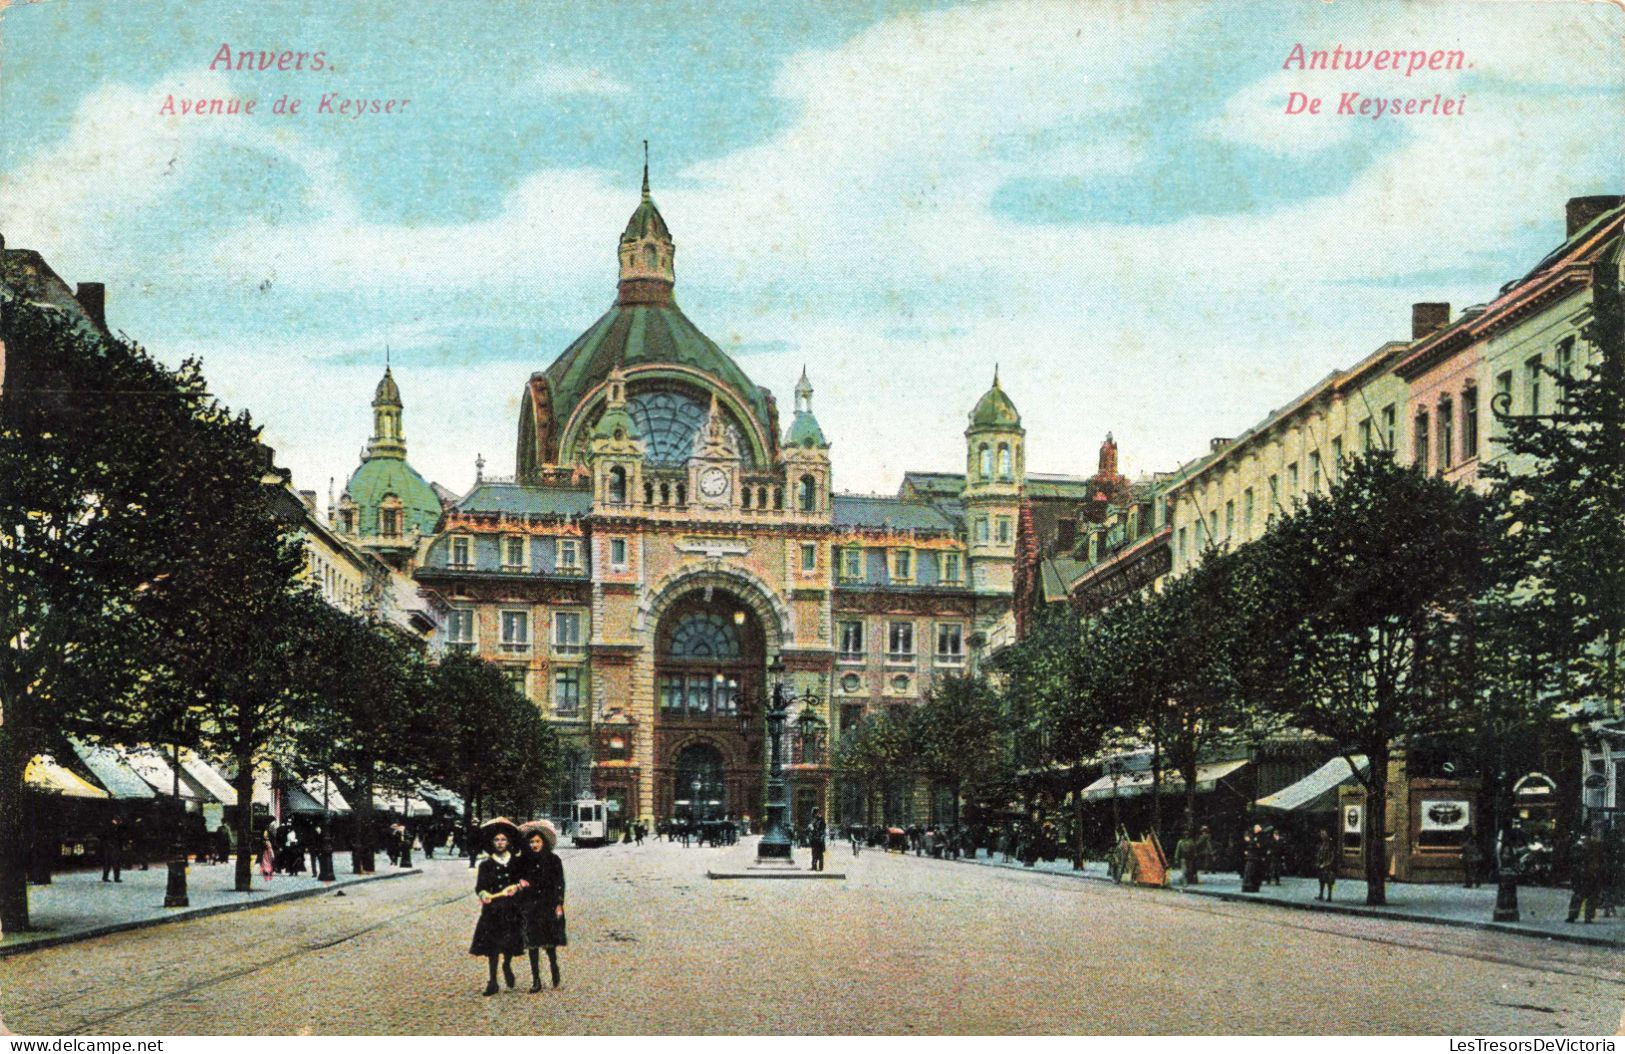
<point>541,901</point>
<point>498,931</point>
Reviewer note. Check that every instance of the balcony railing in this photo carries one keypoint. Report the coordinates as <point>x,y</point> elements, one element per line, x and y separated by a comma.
<point>855,657</point>
<point>900,658</point>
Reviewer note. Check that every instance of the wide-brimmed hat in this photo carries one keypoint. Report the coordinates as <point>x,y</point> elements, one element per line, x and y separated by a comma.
<point>501,825</point>
<point>549,833</point>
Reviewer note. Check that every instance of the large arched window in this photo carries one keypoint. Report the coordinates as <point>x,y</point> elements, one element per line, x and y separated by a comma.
<point>1006,471</point>
<point>706,636</point>
<point>807,494</point>
<point>985,457</point>
<point>617,485</point>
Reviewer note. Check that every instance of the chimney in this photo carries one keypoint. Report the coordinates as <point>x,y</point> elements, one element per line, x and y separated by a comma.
<point>309,498</point>
<point>1218,443</point>
<point>1428,319</point>
<point>1108,458</point>
<point>92,296</point>
<point>1581,211</point>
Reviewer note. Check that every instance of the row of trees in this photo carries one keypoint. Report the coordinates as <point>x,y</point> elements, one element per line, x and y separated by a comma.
<point>150,591</point>
<point>1392,609</point>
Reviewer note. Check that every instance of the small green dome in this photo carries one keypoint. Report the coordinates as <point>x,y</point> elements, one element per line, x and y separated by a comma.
<point>994,409</point>
<point>646,221</point>
<point>379,477</point>
<point>615,419</point>
<point>804,432</point>
<point>387,393</point>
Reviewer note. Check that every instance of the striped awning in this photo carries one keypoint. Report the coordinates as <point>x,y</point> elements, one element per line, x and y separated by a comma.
<point>44,775</point>
<point>326,794</point>
<point>1316,791</point>
<point>209,778</point>
<point>155,769</point>
<point>111,770</point>
<point>1129,784</point>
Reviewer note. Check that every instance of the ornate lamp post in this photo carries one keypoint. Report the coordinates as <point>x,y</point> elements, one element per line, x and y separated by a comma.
<point>175,891</point>
<point>775,844</point>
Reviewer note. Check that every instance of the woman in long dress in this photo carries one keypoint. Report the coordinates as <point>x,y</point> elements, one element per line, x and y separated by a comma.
<point>496,883</point>
<point>541,902</point>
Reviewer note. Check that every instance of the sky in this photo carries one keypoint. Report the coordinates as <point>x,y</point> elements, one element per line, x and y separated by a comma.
<point>1107,200</point>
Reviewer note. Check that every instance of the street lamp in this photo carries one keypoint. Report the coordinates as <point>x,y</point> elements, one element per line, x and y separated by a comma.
<point>694,801</point>
<point>775,843</point>
<point>175,892</point>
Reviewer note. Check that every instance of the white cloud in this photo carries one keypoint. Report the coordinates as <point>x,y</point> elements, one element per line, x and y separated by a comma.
<point>562,79</point>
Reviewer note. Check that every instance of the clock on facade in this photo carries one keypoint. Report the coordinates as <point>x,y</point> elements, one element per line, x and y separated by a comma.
<point>713,484</point>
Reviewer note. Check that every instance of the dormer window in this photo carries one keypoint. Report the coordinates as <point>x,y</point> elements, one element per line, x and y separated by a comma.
<point>461,549</point>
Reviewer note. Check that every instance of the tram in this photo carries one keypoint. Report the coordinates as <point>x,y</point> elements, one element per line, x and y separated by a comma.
<point>590,826</point>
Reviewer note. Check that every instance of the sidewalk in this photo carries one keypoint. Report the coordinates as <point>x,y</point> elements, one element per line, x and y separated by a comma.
<point>77,905</point>
<point>1542,910</point>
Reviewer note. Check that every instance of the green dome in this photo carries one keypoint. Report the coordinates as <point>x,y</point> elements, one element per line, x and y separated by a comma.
<point>379,477</point>
<point>631,335</point>
<point>804,431</point>
<point>994,409</point>
<point>615,419</point>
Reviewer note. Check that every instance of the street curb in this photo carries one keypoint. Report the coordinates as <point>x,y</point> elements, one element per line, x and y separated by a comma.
<point>794,876</point>
<point>53,940</point>
<point>1364,911</point>
<point>1333,908</point>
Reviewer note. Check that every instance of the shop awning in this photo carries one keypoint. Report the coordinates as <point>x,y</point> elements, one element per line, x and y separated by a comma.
<point>399,803</point>
<point>107,764</point>
<point>441,796</point>
<point>44,775</point>
<point>209,778</point>
<point>1138,782</point>
<point>1316,792</point>
<point>327,791</point>
<point>154,768</point>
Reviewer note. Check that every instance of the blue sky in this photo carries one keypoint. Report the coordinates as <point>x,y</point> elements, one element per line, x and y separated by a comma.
<point>1105,199</point>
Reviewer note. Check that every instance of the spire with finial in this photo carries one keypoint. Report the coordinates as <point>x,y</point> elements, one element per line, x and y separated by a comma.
<point>479,468</point>
<point>387,439</point>
<point>647,252</point>
<point>804,430</point>
<point>995,375</point>
<point>804,391</point>
<point>646,170</point>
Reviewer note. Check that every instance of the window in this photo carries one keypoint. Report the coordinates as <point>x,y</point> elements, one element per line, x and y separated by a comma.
<point>981,529</point>
<point>851,641</point>
<point>1502,403</point>
<point>852,564</point>
<point>1419,442</point>
<point>1247,511</point>
<point>900,646</point>
<point>1531,380</point>
<point>460,629</point>
<point>1292,479</point>
<point>1229,519</point>
<point>1006,472</point>
<point>347,521</point>
<point>460,547</point>
<point>985,456</point>
<point>1337,458</point>
<point>950,643</point>
<point>1469,423</point>
<point>851,684</point>
<point>1565,369</point>
<point>1182,543</point>
<point>1213,527</point>
<point>809,557</point>
<point>617,553</point>
<point>567,554</point>
<point>1367,436</point>
<point>1447,433</point>
<point>389,522</point>
<point>513,554</point>
<point>1275,491</point>
<point>516,631</point>
<point>567,690</point>
<point>671,693</point>
<point>517,677</point>
<point>1004,530</point>
<point>617,485</point>
<point>902,567</point>
<point>567,632</point>
<point>1389,422</point>
<point>699,694</point>
<point>807,494</point>
<point>1314,472</point>
<point>950,567</point>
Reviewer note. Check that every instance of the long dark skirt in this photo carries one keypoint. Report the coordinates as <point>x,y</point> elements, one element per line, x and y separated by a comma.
<point>498,931</point>
<point>543,929</point>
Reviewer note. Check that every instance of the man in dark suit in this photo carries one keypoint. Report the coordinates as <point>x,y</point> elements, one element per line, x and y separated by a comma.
<point>112,850</point>
<point>816,839</point>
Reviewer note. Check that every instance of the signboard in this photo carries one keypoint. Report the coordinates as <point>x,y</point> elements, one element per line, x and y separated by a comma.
<point>1446,815</point>
<point>1353,827</point>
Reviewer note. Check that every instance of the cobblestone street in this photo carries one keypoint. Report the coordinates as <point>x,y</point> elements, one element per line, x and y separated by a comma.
<point>902,945</point>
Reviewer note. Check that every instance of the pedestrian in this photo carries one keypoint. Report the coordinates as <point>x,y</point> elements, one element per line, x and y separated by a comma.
<point>541,900</point>
<point>313,846</point>
<point>815,835</point>
<point>112,849</point>
<point>392,844</point>
<point>639,830</point>
<point>267,854</point>
<point>1326,866</point>
<point>1472,857</point>
<point>855,833</point>
<point>1185,858</point>
<point>1252,859</point>
<point>499,930</point>
<point>1274,856</point>
<point>1004,843</point>
<point>223,843</point>
<point>1587,865</point>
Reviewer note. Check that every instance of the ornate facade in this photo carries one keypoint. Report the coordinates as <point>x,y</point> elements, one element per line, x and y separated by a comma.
<point>666,543</point>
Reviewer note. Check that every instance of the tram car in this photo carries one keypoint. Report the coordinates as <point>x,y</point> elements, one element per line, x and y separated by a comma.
<point>590,824</point>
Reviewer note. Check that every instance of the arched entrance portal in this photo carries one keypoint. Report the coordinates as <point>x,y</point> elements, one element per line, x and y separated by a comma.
<point>701,782</point>
<point>710,656</point>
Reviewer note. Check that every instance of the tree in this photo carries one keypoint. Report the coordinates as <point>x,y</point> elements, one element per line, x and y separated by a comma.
<point>1375,581</point>
<point>111,468</point>
<point>957,737</point>
<point>875,755</point>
